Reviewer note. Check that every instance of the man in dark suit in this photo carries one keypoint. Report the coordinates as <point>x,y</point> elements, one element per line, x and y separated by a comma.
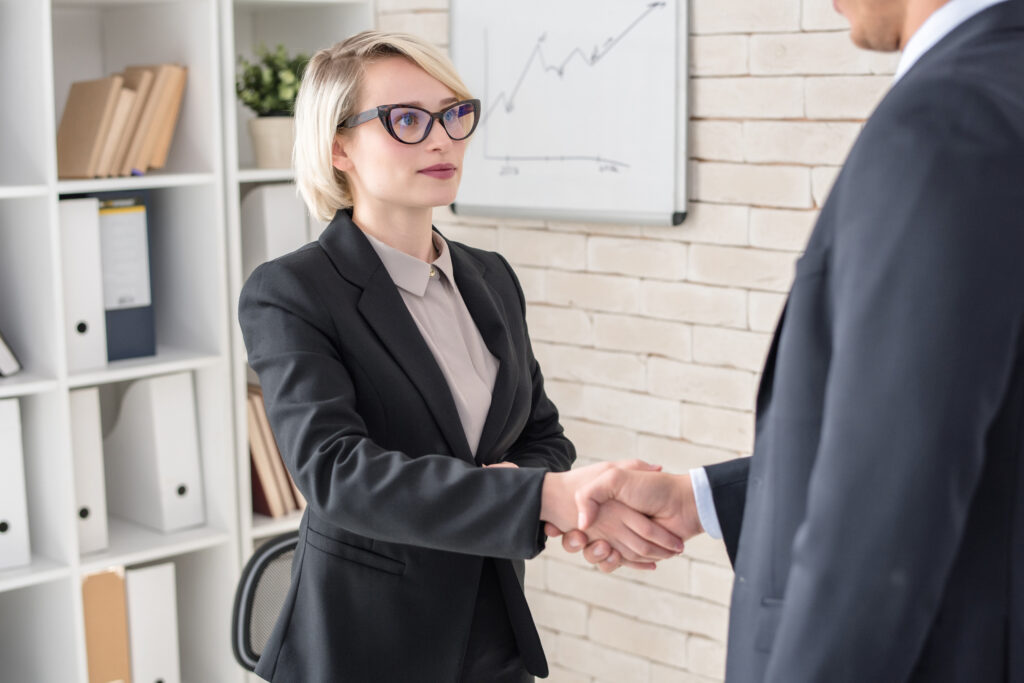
<point>877,533</point>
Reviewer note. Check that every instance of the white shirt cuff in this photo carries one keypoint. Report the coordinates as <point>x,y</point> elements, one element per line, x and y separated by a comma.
<point>705,502</point>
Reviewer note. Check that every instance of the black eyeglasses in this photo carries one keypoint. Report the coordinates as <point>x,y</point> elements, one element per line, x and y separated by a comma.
<point>410,124</point>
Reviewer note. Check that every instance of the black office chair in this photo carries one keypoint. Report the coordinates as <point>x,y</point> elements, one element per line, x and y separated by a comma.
<point>259,597</point>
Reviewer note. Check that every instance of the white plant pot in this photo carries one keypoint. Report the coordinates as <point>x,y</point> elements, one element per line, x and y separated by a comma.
<point>272,140</point>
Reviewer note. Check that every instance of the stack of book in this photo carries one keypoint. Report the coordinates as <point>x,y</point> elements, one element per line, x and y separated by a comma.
<point>273,491</point>
<point>120,125</point>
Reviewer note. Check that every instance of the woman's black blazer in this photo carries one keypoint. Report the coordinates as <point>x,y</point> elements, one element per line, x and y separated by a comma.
<point>400,514</point>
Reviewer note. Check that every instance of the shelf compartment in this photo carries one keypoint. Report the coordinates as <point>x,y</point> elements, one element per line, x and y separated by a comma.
<point>39,636</point>
<point>97,39</point>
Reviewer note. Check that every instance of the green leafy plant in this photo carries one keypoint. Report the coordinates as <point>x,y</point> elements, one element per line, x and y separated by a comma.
<point>269,85</point>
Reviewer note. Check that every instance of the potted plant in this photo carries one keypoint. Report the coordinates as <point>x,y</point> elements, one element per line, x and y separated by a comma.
<point>268,87</point>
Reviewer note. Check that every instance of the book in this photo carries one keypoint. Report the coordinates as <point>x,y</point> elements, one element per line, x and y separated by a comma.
<point>125,102</point>
<point>281,476</point>
<point>263,478</point>
<point>141,81</point>
<point>137,157</point>
<point>169,122</point>
<point>84,126</point>
<point>8,361</point>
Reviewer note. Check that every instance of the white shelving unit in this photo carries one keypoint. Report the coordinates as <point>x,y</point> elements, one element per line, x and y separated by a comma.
<point>52,43</point>
<point>301,26</point>
<point>193,212</point>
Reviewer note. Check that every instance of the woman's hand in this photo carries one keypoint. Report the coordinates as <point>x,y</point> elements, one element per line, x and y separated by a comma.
<point>639,540</point>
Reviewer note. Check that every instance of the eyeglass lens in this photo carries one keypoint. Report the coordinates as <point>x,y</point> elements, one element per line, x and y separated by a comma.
<point>410,124</point>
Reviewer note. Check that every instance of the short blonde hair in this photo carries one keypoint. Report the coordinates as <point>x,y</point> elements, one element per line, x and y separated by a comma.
<point>329,94</point>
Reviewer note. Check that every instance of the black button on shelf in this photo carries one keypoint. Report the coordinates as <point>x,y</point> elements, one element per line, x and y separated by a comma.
<point>4,526</point>
<point>182,490</point>
<point>84,513</point>
<point>82,327</point>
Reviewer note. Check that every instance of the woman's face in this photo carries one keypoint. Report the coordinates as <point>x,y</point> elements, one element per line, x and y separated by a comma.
<point>386,172</point>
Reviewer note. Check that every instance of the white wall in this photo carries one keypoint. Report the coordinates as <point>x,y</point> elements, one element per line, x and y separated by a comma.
<point>652,339</point>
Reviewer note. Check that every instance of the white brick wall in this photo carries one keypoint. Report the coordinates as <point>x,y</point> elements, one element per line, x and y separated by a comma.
<point>652,339</point>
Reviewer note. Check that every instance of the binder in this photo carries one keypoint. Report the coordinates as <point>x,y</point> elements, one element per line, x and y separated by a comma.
<point>153,624</point>
<point>106,627</point>
<point>90,487</point>
<point>151,449</point>
<point>85,326</point>
<point>14,536</point>
<point>8,361</point>
<point>84,126</point>
<point>274,222</point>
<point>127,293</point>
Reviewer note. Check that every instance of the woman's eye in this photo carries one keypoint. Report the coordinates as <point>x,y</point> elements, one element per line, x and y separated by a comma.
<point>408,119</point>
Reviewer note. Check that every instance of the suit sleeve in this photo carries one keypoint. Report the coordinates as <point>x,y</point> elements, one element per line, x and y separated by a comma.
<point>433,501</point>
<point>542,443</point>
<point>923,346</point>
<point>728,482</point>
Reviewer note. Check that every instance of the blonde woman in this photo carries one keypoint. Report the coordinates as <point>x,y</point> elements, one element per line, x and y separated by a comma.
<point>404,394</point>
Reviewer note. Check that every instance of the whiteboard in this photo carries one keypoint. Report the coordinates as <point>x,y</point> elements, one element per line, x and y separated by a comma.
<point>584,109</point>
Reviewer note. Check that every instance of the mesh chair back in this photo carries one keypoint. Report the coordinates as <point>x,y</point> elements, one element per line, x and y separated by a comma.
<point>259,597</point>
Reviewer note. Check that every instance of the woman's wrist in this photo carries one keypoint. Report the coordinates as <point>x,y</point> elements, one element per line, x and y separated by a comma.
<point>557,504</point>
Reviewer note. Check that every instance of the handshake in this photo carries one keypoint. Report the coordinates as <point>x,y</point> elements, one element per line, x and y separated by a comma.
<point>620,514</point>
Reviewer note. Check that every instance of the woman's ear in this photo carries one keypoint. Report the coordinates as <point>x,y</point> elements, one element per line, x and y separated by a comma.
<point>339,158</point>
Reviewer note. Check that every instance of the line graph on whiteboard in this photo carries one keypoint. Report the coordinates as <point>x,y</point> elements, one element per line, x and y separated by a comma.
<point>579,99</point>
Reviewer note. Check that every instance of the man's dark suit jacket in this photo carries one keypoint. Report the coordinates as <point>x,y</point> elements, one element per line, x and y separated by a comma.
<point>877,532</point>
<point>400,515</point>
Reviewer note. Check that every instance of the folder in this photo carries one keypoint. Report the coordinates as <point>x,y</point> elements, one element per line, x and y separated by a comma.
<point>14,536</point>
<point>87,452</point>
<point>118,122</point>
<point>274,222</point>
<point>84,126</point>
<point>8,361</point>
<point>85,326</point>
<point>127,294</point>
<point>153,624</point>
<point>106,627</point>
<point>141,81</point>
<point>151,449</point>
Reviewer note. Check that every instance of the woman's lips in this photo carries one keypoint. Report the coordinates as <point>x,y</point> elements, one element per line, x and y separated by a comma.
<point>441,171</point>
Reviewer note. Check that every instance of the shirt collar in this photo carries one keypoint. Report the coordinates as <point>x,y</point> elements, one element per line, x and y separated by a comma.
<point>408,272</point>
<point>940,24</point>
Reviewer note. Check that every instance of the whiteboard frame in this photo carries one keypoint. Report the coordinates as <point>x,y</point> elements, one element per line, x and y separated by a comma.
<point>682,179</point>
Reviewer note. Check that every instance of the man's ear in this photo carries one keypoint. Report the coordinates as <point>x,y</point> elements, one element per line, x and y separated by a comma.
<point>339,158</point>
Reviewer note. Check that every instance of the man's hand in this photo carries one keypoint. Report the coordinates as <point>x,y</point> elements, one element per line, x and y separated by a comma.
<point>638,539</point>
<point>667,499</point>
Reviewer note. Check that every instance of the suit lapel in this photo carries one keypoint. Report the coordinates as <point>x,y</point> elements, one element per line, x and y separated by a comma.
<point>491,319</point>
<point>764,390</point>
<point>383,309</point>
